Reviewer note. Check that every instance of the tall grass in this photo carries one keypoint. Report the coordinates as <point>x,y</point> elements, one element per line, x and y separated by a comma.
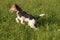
<point>49,25</point>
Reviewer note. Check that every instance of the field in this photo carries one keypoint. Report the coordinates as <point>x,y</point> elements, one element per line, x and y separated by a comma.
<point>48,26</point>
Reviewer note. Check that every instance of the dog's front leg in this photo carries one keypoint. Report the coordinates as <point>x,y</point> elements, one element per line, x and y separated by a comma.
<point>17,20</point>
<point>22,21</point>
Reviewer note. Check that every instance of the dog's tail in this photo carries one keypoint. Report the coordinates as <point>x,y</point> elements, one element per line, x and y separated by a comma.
<point>42,15</point>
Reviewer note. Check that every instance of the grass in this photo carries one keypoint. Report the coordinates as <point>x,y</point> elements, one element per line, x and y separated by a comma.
<point>49,25</point>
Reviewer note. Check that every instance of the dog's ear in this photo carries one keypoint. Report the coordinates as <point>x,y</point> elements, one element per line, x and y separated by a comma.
<point>14,5</point>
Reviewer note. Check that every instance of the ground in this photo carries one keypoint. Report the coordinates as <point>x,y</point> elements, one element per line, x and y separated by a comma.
<point>48,26</point>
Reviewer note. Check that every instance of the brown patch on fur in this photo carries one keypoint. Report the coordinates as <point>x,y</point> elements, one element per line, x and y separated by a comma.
<point>15,7</point>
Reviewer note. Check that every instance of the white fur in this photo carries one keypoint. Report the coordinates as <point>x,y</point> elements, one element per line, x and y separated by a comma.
<point>41,14</point>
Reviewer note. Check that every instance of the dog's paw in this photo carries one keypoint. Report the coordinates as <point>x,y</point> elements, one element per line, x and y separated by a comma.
<point>36,28</point>
<point>23,23</point>
<point>17,21</point>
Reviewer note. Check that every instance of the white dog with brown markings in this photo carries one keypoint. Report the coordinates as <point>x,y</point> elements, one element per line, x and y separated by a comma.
<point>23,16</point>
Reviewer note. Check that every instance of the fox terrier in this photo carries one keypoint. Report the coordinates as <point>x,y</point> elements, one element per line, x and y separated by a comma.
<point>23,16</point>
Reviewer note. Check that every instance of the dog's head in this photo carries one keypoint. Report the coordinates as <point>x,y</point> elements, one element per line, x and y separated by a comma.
<point>15,8</point>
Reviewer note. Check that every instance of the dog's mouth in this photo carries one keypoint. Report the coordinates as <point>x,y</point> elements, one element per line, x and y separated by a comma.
<point>11,11</point>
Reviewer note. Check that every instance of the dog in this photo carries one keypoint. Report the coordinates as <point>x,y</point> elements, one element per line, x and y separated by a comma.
<point>23,16</point>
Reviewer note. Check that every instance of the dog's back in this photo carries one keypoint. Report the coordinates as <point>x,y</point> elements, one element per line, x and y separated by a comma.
<point>23,13</point>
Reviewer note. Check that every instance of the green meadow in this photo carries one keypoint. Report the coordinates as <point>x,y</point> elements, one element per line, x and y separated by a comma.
<point>48,25</point>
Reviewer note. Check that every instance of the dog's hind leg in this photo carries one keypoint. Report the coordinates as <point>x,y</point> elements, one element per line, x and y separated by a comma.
<point>32,24</point>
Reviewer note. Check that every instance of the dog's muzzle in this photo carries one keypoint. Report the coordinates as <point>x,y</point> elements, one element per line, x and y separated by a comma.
<point>10,11</point>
